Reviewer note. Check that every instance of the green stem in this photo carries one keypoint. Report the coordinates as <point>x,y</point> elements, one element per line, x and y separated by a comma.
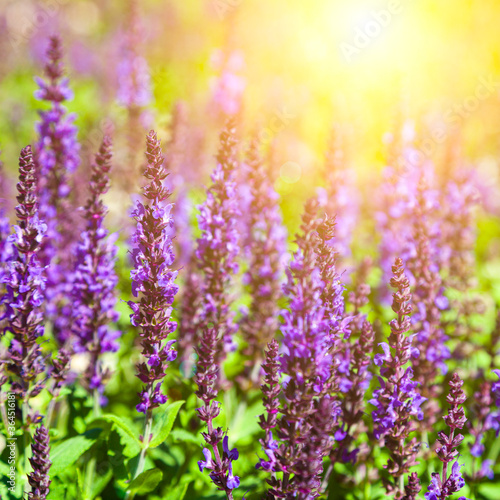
<point>148,425</point>
<point>90,472</point>
<point>4,412</point>
<point>26,439</point>
<point>402,483</point>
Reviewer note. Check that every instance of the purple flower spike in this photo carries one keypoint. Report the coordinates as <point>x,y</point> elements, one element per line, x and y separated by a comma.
<point>153,279</point>
<point>57,155</point>
<point>218,245</point>
<point>443,485</point>
<point>39,479</point>
<point>309,414</point>
<point>266,249</point>
<point>397,399</point>
<point>216,253</point>
<point>95,279</point>
<point>270,392</point>
<point>24,286</point>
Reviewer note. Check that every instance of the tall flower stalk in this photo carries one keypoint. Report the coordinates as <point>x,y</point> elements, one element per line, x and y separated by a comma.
<point>267,253</point>
<point>448,482</point>
<point>95,280</point>
<point>397,400</point>
<point>24,286</point>
<point>216,254</point>
<point>57,154</point>
<point>306,362</point>
<point>429,301</point>
<point>218,245</point>
<point>153,280</point>
<point>39,479</point>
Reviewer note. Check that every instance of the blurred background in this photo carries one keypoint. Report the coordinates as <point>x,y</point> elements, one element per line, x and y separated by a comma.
<point>292,67</point>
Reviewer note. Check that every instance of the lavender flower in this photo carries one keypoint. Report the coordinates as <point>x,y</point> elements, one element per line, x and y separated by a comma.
<point>216,253</point>
<point>267,252</point>
<point>228,87</point>
<point>206,379</point>
<point>39,479</point>
<point>24,286</point>
<point>95,280</point>
<point>397,399</point>
<point>340,198</point>
<point>430,302</point>
<point>332,294</point>
<point>483,400</point>
<point>354,381</point>
<point>307,363</point>
<point>495,416</point>
<point>270,398</point>
<point>153,278</point>
<point>412,489</point>
<point>57,156</point>
<point>134,90</point>
<point>442,486</point>
<point>218,245</point>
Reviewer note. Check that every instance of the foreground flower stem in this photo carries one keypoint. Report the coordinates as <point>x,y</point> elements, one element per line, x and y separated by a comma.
<point>90,472</point>
<point>153,280</point>
<point>148,425</point>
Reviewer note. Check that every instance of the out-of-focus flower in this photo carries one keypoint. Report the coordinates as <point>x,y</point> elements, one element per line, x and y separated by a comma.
<point>340,198</point>
<point>218,245</point>
<point>229,85</point>
<point>429,301</point>
<point>95,280</point>
<point>57,154</point>
<point>266,249</point>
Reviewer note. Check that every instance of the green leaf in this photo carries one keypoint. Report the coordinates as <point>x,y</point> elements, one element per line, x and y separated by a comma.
<point>185,436</point>
<point>146,482</point>
<point>100,482</point>
<point>178,492</point>
<point>490,491</point>
<point>69,451</point>
<point>164,424</point>
<point>128,436</point>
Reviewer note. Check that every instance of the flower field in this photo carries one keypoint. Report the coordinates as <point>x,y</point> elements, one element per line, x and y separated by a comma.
<point>249,250</point>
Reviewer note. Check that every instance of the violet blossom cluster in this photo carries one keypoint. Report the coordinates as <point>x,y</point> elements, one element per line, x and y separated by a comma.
<point>95,279</point>
<point>483,420</point>
<point>397,400</point>
<point>306,361</point>
<point>271,389</point>
<point>228,86</point>
<point>24,283</point>
<point>57,154</point>
<point>444,485</point>
<point>266,250</point>
<point>429,300</point>
<point>218,245</point>
<point>153,279</point>
<point>39,479</point>
<point>216,255</point>
<point>340,198</point>
<point>220,466</point>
